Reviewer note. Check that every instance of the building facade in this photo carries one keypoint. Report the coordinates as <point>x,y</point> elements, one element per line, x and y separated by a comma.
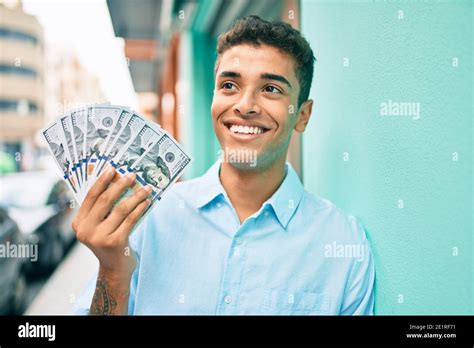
<point>21,81</point>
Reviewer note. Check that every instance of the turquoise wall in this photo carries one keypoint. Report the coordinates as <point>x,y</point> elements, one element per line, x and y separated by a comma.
<point>408,178</point>
<point>195,89</point>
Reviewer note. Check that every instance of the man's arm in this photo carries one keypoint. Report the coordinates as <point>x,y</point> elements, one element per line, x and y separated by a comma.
<point>359,292</point>
<point>111,295</point>
<point>105,232</point>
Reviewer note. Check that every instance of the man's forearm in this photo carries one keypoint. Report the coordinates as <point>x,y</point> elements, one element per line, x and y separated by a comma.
<point>111,295</point>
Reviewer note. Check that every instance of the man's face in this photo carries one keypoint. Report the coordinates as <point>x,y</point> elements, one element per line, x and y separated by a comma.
<point>254,108</point>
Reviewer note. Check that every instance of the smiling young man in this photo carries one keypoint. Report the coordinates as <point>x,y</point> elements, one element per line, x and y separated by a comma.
<point>245,238</point>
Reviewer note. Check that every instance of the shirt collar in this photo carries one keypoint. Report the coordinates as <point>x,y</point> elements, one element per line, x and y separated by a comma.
<point>210,186</point>
<point>284,201</point>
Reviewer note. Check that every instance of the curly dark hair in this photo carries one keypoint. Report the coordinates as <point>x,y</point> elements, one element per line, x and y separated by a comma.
<point>256,31</point>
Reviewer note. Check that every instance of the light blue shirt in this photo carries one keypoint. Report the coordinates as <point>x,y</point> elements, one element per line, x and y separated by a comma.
<point>298,254</point>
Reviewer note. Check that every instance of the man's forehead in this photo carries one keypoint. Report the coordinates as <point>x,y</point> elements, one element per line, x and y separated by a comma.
<point>257,59</point>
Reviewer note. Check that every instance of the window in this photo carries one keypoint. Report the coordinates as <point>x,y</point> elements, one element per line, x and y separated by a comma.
<point>17,70</point>
<point>17,105</point>
<point>10,34</point>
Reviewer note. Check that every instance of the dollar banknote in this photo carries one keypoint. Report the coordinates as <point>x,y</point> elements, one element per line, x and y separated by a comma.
<point>79,123</point>
<point>87,141</point>
<point>53,134</point>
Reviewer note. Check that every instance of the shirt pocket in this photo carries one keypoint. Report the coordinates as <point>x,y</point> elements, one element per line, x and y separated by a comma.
<point>285,302</point>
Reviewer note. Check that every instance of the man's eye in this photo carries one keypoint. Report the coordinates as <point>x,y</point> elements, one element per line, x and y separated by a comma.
<point>271,89</point>
<point>228,85</point>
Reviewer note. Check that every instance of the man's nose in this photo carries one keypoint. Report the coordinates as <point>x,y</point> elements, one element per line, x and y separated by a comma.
<point>247,105</point>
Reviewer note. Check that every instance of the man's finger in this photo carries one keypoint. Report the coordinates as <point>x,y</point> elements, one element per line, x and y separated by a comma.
<point>95,191</point>
<point>107,199</point>
<point>129,222</point>
<point>122,210</point>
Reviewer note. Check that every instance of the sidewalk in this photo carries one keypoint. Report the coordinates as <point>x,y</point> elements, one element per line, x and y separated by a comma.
<point>66,284</point>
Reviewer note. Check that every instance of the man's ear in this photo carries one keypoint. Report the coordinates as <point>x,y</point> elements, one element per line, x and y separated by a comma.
<point>303,116</point>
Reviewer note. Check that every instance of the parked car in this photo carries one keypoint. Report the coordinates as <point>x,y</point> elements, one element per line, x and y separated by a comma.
<point>43,207</point>
<point>13,288</point>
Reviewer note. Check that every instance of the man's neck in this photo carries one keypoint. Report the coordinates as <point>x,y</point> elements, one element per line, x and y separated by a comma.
<point>248,190</point>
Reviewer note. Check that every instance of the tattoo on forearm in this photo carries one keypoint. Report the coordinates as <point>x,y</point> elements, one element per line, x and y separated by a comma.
<point>103,303</point>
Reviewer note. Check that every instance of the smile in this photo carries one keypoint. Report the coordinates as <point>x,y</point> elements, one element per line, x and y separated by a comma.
<point>245,129</point>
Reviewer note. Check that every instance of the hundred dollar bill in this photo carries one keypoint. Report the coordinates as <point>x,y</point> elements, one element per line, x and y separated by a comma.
<point>157,160</point>
<point>162,164</point>
<point>70,160</point>
<point>56,146</point>
<point>70,143</point>
<point>159,165</point>
<point>144,140</point>
<point>88,140</point>
<point>100,122</point>
<point>79,124</point>
<point>132,142</point>
<point>127,136</point>
<point>119,126</point>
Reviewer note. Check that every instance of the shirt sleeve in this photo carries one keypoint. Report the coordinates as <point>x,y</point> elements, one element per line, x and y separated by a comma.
<point>83,303</point>
<point>359,292</point>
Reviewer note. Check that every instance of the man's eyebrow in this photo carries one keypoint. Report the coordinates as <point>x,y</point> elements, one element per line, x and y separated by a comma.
<point>264,76</point>
<point>268,76</point>
<point>229,74</point>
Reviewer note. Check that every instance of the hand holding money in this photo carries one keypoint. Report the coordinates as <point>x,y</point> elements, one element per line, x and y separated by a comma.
<point>118,166</point>
<point>106,234</point>
<point>88,141</point>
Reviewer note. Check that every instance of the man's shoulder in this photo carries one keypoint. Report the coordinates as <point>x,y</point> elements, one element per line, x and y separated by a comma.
<point>186,187</point>
<point>181,194</point>
<point>184,192</point>
<point>333,220</point>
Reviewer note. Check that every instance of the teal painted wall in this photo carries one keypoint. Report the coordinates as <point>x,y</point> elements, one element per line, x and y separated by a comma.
<point>401,176</point>
<point>195,89</point>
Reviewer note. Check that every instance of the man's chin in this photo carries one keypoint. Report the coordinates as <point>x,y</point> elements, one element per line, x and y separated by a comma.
<point>242,158</point>
<point>244,167</point>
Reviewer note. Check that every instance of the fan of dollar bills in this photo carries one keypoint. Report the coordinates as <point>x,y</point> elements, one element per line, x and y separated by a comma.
<point>87,141</point>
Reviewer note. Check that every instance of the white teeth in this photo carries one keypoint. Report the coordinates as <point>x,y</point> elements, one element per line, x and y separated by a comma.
<point>245,129</point>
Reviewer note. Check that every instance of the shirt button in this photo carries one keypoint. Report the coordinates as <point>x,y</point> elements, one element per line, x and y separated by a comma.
<point>266,213</point>
<point>219,204</point>
<point>228,299</point>
<point>238,241</point>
